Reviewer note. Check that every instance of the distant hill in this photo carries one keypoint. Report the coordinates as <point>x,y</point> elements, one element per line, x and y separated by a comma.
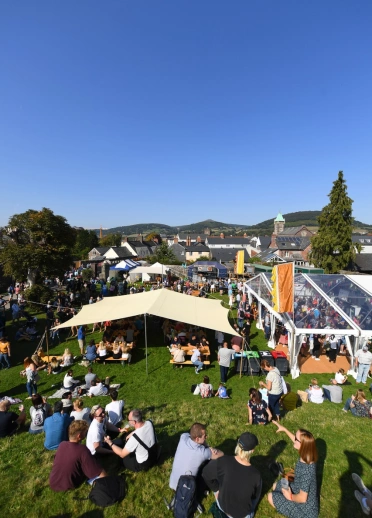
<point>292,219</point>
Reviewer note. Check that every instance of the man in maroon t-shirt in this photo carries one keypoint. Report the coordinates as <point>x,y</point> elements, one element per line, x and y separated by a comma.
<point>73,462</point>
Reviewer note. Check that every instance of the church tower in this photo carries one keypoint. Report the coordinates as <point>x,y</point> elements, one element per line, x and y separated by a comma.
<point>279,223</point>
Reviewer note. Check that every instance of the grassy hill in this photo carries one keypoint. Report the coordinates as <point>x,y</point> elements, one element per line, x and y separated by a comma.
<point>292,219</point>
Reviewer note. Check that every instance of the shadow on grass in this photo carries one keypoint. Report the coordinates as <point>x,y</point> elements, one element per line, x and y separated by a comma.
<point>322,455</point>
<point>348,503</point>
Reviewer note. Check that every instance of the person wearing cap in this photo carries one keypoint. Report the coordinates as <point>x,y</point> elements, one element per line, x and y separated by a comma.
<point>235,482</point>
<point>363,361</point>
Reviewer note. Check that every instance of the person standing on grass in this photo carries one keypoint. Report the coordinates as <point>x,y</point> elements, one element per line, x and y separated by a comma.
<point>73,462</point>
<point>235,482</point>
<point>81,338</point>
<point>274,386</point>
<point>4,353</point>
<point>363,361</point>
<point>225,355</point>
<point>192,454</point>
<point>300,500</point>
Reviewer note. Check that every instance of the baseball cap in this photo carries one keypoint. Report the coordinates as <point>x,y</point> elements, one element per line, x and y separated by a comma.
<point>247,441</point>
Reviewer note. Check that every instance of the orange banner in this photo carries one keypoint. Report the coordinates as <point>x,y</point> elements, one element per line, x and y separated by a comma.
<point>283,287</point>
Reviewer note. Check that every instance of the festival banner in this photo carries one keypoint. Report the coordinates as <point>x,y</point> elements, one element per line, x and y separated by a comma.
<point>240,262</point>
<point>283,288</point>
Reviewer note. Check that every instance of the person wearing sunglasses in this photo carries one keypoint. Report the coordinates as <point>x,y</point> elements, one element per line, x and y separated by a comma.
<point>97,431</point>
<point>235,482</point>
<point>299,499</point>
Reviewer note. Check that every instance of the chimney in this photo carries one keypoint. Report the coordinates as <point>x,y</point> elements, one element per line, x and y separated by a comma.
<point>175,240</point>
<point>188,241</point>
<point>124,239</point>
<point>273,241</point>
<point>222,235</point>
<point>140,238</point>
<point>198,239</point>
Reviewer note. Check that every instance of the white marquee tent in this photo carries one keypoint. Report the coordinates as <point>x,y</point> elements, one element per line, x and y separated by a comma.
<point>345,303</point>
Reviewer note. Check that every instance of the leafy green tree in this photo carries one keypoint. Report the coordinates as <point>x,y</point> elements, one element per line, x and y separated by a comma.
<point>153,236</point>
<point>87,274</point>
<point>164,255</point>
<point>85,241</point>
<point>332,247</point>
<point>111,240</point>
<point>35,244</point>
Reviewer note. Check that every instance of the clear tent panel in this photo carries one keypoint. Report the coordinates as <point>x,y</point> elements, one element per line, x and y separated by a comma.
<point>265,291</point>
<point>352,299</point>
<point>255,284</point>
<point>312,309</point>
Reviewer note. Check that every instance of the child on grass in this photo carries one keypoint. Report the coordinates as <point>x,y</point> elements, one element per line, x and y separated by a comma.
<point>222,392</point>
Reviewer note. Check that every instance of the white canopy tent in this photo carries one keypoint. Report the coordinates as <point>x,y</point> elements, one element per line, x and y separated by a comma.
<point>147,271</point>
<point>163,303</point>
<point>346,302</point>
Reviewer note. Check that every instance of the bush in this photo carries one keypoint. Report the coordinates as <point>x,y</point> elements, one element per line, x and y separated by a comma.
<point>87,274</point>
<point>39,293</point>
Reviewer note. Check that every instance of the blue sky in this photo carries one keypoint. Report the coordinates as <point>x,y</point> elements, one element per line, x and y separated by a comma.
<point>124,112</point>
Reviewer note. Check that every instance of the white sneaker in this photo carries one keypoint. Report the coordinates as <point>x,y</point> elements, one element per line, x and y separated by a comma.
<point>358,495</point>
<point>361,486</point>
<point>317,359</point>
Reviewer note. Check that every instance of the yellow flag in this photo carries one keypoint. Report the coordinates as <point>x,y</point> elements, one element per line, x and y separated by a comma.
<point>240,262</point>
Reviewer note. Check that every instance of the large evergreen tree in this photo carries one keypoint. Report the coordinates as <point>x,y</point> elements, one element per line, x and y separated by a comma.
<point>332,247</point>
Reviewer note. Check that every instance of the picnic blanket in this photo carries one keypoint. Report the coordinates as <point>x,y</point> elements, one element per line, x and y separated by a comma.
<point>59,393</point>
<point>12,400</point>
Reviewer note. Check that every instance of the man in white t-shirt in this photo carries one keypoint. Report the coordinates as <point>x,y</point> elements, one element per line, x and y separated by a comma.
<point>115,408</point>
<point>97,389</point>
<point>97,431</point>
<point>139,452</point>
<point>363,361</point>
<point>195,358</point>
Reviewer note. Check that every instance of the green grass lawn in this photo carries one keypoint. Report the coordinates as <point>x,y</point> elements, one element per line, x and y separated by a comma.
<point>164,394</point>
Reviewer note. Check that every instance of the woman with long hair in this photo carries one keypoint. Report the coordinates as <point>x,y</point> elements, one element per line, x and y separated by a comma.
<point>67,359</point>
<point>30,371</point>
<point>258,409</point>
<point>358,405</point>
<point>298,499</point>
<point>206,389</point>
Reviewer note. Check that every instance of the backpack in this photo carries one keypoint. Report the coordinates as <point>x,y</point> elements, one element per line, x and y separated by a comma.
<point>39,417</point>
<point>185,503</point>
<point>107,491</point>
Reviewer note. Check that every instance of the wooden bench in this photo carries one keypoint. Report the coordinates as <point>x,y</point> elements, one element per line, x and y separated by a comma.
<point>188,362</point>
<point>113,360</point>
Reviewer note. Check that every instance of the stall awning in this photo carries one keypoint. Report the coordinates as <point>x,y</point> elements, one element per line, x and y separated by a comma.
<point>126,265</point>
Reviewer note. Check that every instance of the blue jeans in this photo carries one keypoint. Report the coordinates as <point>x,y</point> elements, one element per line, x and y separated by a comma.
<point>4,358</point>
<point>274,403</point>
<point>36,432</point>
<point>254,503</point>
<point>347,407</point>
<point>198,364</point>
<point>267,330</point>
<point>363,369</point>
<point>31,388</point>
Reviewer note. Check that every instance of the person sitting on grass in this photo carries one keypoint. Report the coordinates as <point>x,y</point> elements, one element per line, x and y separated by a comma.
<point>10,422</point>
<point>315,392</point>
<point>39,411</point>
<point>67,359</point>
<point>97,388</point>
<point>91,351</point>
<point>206,389</point>
<point>73,462</point>
<point>55,427</point>
<point>97,431</point>
<point>80,413</point>
<point>340,378</point>
<point>358,405</point>
<point>222,392</point>
<point>54,367</point>
<point>69,383</point>
<point>21,335</point>
<point>114,410</point>
<point>258,410</point>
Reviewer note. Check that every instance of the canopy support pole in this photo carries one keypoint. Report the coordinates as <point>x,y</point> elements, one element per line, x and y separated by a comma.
<point>147,370</point>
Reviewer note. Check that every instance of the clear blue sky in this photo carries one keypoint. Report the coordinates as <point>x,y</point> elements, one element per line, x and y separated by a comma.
<point>131,111</point>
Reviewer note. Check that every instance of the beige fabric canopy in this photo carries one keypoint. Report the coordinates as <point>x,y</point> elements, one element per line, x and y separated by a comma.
<point>164,303</point>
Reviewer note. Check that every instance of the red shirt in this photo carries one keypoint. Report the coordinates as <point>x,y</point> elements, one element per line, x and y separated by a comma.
<point>73,464</point>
